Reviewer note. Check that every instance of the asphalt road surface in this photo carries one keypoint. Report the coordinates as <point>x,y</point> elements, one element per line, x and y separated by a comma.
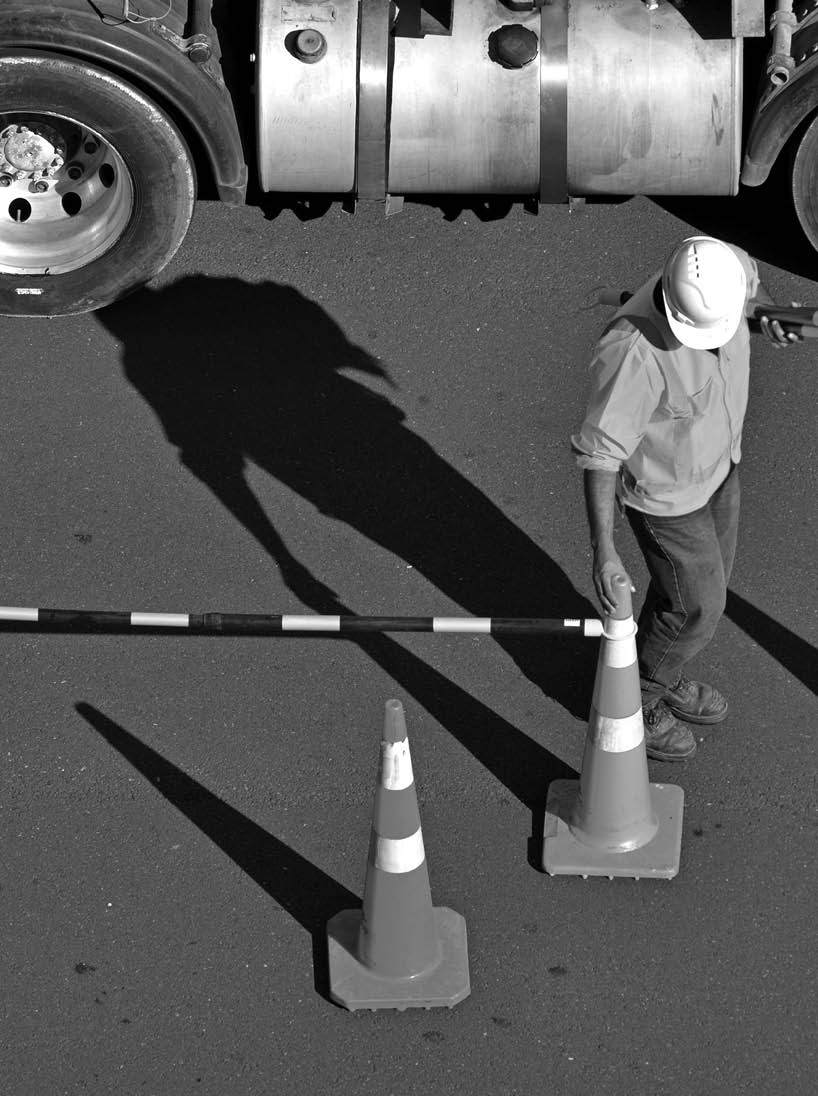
<point>306,414</point>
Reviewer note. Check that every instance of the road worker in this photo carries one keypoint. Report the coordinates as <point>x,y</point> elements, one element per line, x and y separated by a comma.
<point>662,439</point>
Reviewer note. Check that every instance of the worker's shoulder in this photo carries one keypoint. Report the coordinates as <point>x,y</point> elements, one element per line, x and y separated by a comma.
<point>746,260</point>
<point>745,256</point>
<point>631,337</point>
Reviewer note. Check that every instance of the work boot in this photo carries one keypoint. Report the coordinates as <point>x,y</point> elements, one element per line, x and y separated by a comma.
<point>666,739</point>
<point>696,702</point>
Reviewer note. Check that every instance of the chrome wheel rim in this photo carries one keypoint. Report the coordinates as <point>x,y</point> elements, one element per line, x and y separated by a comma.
<point>66,195</point>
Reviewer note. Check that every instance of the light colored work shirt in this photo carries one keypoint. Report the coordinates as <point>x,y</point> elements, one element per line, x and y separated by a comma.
<point>667,418</point>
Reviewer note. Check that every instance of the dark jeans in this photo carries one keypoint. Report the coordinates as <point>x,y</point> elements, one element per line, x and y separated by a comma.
<point>689,559</point>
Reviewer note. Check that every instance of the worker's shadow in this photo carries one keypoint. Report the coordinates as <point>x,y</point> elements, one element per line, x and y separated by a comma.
<point>242,373</point>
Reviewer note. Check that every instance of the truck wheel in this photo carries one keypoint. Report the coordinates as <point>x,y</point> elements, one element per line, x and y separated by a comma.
<point>96,186</point>
<point>805,182</point>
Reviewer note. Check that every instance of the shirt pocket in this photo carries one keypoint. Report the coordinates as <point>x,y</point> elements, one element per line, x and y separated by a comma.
<point>692,405</point>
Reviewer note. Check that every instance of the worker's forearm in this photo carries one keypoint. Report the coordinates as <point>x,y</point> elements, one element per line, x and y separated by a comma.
<point>600,500</point>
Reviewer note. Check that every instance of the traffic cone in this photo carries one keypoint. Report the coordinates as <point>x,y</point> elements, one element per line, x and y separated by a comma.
<point>612,821</point>
<point>399,951</point>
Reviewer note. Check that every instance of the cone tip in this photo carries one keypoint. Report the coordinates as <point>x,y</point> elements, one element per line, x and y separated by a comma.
<point>394,722</point>
<point>622,591</point>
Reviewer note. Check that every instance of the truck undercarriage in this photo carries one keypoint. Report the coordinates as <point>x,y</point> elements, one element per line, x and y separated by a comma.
<point>113,111</point>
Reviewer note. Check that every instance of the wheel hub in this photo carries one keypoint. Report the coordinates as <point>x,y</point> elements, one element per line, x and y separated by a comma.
<point>66,195</point>
<point>30,152</point>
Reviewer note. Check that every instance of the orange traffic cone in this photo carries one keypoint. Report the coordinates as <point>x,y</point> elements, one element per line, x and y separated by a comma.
<point>612,821</point>
<point>398,952</point>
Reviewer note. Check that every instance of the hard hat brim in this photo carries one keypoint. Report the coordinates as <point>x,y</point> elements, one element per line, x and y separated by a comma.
<point>701,336</point>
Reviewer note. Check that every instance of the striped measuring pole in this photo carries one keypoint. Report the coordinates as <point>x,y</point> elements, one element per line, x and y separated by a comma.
<point>270,624</point>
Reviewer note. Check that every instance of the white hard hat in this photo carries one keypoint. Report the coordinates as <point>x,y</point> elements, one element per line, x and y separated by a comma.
<point>704,289</point>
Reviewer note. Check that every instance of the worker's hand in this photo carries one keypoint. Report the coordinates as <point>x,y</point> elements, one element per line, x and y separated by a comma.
<point>606,565</point>
<point>776,334</point>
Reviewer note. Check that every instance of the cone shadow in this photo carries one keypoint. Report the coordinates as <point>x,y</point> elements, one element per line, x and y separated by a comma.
<point>520,763</point>
<point>308,894</point>
<point>798,657</point>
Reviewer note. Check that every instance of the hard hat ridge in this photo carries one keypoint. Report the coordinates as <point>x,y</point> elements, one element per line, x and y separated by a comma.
<point>704,290</point>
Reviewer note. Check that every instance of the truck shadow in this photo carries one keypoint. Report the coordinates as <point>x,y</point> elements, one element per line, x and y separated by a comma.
<point>744,220</point>
<point>762,220</point>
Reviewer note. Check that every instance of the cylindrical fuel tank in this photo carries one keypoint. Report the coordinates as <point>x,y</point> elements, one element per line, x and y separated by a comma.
<point>461,122</point>
<point>578,97</point>
<point>653,108</point>
<point>306,98</point>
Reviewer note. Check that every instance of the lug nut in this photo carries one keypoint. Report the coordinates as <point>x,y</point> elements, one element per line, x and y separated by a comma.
<point>199,49</point>
<point>74,171</point>
<point>309,46</point>
<point>513,46</point>
<point>6,180</point>
<point>90,147</point>
<point>40,187</point>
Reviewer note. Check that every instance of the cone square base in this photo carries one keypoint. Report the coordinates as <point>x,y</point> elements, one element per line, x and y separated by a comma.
<point>563,854</point>
<point>355,986</point>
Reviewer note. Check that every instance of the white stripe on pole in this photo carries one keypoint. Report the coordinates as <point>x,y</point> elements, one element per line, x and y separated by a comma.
<point>399,854</point>
<point>311,624</point>
<point>462,624</point>
<point>8,612</point>
<point>396,766</point>
<point>160,620</point>
<point>615,735</point>
<point>593,628</point>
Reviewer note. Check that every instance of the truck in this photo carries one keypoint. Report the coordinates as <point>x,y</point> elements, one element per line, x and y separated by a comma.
<point>116,114</point>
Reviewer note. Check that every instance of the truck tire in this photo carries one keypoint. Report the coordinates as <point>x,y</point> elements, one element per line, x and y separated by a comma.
<point>96,186</point>
<point>805,182</point>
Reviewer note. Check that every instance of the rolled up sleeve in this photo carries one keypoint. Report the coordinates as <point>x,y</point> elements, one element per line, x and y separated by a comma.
<point>625,390</point>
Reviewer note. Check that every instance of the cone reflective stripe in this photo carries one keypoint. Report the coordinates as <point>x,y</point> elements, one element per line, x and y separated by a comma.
<point>399,951</point>
<point>613,821</point>
<point>616,691</point>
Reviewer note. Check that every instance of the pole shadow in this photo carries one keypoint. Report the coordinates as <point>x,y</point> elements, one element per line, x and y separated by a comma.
<point>308,894</point>
<point>798,657</point>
